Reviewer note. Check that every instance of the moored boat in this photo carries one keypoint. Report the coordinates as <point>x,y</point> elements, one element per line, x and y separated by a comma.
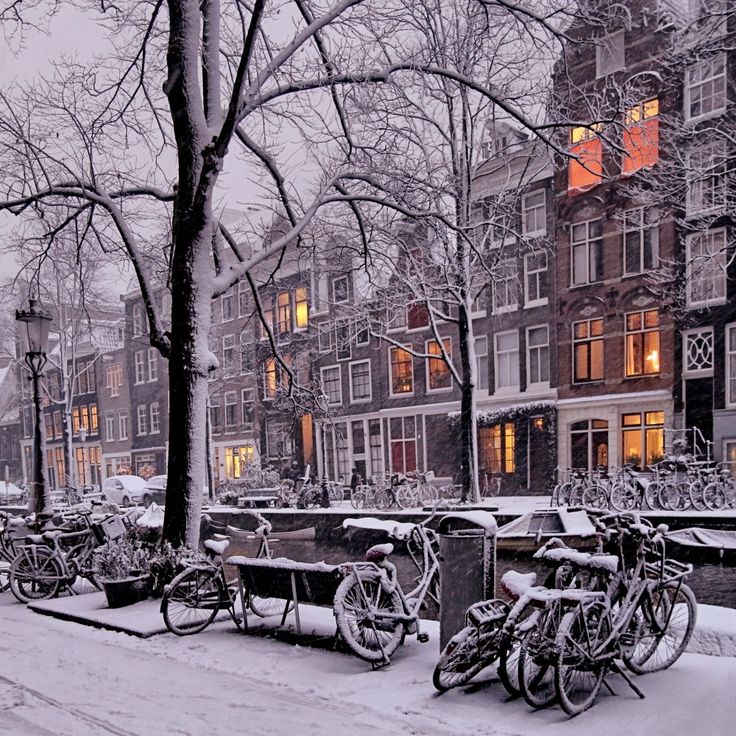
<point>531,530</point>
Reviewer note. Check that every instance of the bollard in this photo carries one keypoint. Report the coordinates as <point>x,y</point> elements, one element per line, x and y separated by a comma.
<point>467,566</point>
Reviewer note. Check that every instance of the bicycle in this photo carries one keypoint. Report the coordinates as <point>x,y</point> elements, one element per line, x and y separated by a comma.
<point>7,546</point>
<point>50,562</point>
<point>372,612</point>
<point>491,486</point>
<point>646,621</point>
<point>201,589</point>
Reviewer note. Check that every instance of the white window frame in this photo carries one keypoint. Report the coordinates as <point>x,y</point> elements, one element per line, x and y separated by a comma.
<point>230,398</point>
<point>229,368</point>
<point>688,85</point>
<point>320,294</point>
<point>690,266</point>
<point>243,289</point>
<point>364,399</point>
<point>333,281</point>
<point>139,320</point>
<point>248,424</point>
<point>343,348</point>
<point>730,365</point>
<point>726,442</point>
<point>114,374</point>
<point>325,329</point>
<point>706,372</point>
<point>139,366</point>
<point>539,231</point>
<point>362,326</point>
<point>141,414</point>
<point>542,300</point>
<point>123,425</point>
<point>641,227</point>
<point>538,348</point>
<point>608,49</point>
<point>405,394</point>
<point>478,358</point>
<point>715,153</point>
<point>322,372</point>
<point>587,244</point>
<point>110,426</point>
<point>152,358</point>
<point>496,355</point>
<point>444,389</point>
<point>229,295</point>
<point>154,427</point>
<point>510,285</point>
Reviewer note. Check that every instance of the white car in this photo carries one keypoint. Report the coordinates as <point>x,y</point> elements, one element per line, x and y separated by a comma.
<point>124,490</point>
<point>155,491</point>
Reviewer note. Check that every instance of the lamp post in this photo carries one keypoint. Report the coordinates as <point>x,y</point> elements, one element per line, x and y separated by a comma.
<point>37,322</point>
<point>83,440</point>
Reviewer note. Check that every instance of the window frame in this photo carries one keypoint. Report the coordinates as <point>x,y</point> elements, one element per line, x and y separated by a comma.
<point>510,285</point>
<point>730,361</point>
<point>587,243</point>
<point>717,189</point>
<point>141,427</point>
<point>687,88</point>
<point>539,348</point>
<point>407,350</point>
<point>641,228</point>
<point>248,424</point>
<point>708,333</point>
<point>322,371</point>
<point>513,387</point>
<point>723,278</point>
<point>154,405</point>
<point>542,300</point>
<point>606,43</point>
<point>139,367</point>
<point>538,232</point>
<point>643,331</point>
<point>363,399</point>
<point>152,361</point>
<point>123,426</point>
<point>333,290</point>
<point>588,340</point>
<point>447,341</point>
<point>230,400</point>
<point>478,358</point>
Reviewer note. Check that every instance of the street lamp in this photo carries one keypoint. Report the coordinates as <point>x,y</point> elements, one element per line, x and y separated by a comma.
<point>37,322</point>
<point>83,440</point>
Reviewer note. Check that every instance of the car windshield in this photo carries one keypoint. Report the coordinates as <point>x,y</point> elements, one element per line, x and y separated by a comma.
<point>158,481</point>
<point>132,482</point>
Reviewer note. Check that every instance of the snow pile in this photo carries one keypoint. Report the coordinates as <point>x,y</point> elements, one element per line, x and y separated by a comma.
<point>576,522</point>
<point>483,519</point>
<point>152,517</point>
<point>516,583</point>
<point>715,632</point>
<point>398,529</point>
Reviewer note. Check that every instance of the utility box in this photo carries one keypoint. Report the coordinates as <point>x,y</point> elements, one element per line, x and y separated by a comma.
<point>467,566</point>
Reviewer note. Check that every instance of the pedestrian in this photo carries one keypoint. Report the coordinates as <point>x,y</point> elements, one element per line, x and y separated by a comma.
<point>355,480</point>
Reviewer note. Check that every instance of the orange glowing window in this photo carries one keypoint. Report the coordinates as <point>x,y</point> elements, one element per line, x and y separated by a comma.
<point>641,136</point>
<point>585,168</point>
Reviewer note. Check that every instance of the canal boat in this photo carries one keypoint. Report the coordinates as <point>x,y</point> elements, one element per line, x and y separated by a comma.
<point>307,534</point>
<point>533,529</point>
<point>698,542</point>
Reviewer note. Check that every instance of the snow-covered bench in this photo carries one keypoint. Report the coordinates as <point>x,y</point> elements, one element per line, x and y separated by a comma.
<point>254,497</point>
<point>289,580</point>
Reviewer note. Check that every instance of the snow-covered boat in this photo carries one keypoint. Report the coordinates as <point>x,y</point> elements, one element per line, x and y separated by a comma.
<point>533,529</point>
<point>701,542</point>
<point>307,534</point>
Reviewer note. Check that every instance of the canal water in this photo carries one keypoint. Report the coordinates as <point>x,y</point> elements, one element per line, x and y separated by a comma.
<point>712,583</point>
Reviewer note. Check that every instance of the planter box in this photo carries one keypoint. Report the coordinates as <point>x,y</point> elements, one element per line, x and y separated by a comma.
<point>127,591</point>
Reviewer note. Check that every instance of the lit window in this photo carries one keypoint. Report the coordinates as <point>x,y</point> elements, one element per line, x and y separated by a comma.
<point>438,372</point>
<point>641,241</point>
<point>537,348</point>
<point>705,88</point>
<point>706,268</point>
<point>588,350</point>
<point>610,54</point>
<point>643,438</point>
<point>641,136</point>
<point>496,448</point>
<point>402,371</point>
<point>270,383</point>
<point>507,360</point>
<point>534,214</point>
<point>283,307</point>
<point>586,242</point>
<point>642,343</point>
<point>585,167</point>
<point>332,384</point>
<point>301,308</point>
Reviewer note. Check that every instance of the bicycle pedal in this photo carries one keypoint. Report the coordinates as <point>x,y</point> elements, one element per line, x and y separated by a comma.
<point>423,637</point>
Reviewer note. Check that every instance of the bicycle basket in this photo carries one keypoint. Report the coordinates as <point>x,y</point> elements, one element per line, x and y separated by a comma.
<point>108,529</point>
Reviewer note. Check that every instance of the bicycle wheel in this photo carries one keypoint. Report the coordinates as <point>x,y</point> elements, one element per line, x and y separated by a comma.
<point>428,494</point>
<point>264,607</point>
<point>651,495</point>
<point>575,497</point>
<point>562,493</point>
<point>595,496</point>
<point>192,600</point>
<point>535,670</point>
<point>363,611</point>
<point>695,492</point>
<point>313,498</point>
<point>674,496</point>
<point>623,497</point>
<point>460,660</point>
<point>406,496</point>
<point>580,670</point>
<point>714,496</point>
<point>357,499</point>
<point>666,625</point>
<point>384,499</point>
<point>35,574</point>
<point>4,575</point>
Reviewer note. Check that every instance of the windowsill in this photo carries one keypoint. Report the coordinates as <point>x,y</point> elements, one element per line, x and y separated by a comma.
<point>587,283</point>
<point>718,210</point>
<point>535,234</point>
<point>537,387</point>
<point>404,395</point>
<point>687,375</point>
<point>444,390</point>
<point>157,431</point>
<point>367,400</point>
<point>705,115</point>
<point>506,310</point>
<point>507,390</point>
<point>536,303</point>
<point>643,375</point>
<point>152,380</point>
<point>638,274</point>
<point>707,305</point>
<point>478,315</point>
<point>588,383</point>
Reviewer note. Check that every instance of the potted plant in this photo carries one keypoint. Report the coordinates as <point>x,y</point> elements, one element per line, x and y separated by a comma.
<point>164,565</point>
<point>122,568</point>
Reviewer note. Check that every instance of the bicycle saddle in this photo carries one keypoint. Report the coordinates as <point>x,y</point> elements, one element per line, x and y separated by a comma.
<point>379,552</point>
<point>217,547</point>
<point>51,535</point>
<point>516,583</point>
<point>35,539</point>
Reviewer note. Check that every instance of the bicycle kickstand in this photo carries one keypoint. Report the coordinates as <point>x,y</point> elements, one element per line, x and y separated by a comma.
<point>620,671</point>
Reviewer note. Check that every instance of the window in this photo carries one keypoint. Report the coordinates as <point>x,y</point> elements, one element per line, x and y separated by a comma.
<point>641,241</point>
<point>416,316</point>
<point>152,364</point>
<point>481,363</point>
<point>402,371</point>
<point>270,380</point>
<point>325,337</point>
<point>139,320</point>
<point>360,381</point>
<point>123,425</point>
<point>49,424</point>
<point>497,448</point>
<point>587,344</point>
<point>705,88</point>
<point>236,461</point>
<point>535,279</point>
<point>139,360</point>
<point>109,426</point>
<point>439,377</point>
<point>505,287</point>
<point>244,307</point>
<point>301,308</point>
<point>231,410</point>
<point>706,179</point>
<point>375,445</point>
<point>228,306</point>
<point>246,353</point>
<point>93,421</point>
<point>228,355</point>
<point>641,136</point>
<point>589,444</point>
<point>507,360</point>
<point>362,334</point>
<point>610,54</point>
<point>247,399</point>
<point>142,414</point>
<point>403,444</point>
<point>340,289</point>
<point>343,347</point>
<point>729,455</point>
<point>706,268</point>
<point>643,437</point>
<point>58,429</point>
<point>537,350</point>
<point>698,353</point>
<point>86,378</point>
<point>114,379</point>
<point>586,242</point>
<point>332,384</point>
<point>155,418</point>
<point>215,414</point>
<point>320,293</point>
<point>534,214</point>
<point>731,365</point>
<point>642,343</point>
<point>283,312</point>
<point>267,307</point>
<point>585,166</point>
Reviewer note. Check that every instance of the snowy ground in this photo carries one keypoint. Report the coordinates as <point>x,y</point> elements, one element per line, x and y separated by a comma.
<point>69,680</point>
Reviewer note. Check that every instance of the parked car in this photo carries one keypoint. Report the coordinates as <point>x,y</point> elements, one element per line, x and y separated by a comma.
<point>155,491</point>
<point>124,490</point>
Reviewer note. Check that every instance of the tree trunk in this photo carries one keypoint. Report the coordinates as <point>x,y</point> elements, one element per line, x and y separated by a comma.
<point>468,431</point>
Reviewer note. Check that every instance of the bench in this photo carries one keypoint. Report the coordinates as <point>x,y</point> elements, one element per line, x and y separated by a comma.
<point>251,497</point>
<point>292,581</point>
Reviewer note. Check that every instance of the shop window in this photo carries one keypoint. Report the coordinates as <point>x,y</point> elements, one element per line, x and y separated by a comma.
<point>497,446</point>
<point>585,166</point>
<point>589,444</point>
<point>643,438</point>
<point>641,136</point>
<point>642,343</point>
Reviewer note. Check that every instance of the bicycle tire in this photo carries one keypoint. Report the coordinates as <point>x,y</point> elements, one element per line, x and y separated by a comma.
<point>695,492</point>
<point>651,495</point>
<point>595,496</point>
<point>428,494</point>
<point>578,675</point>
<point>192,601</point>
<point>370,642</point>
<point>35,574</point>
<point>623,497</point>
<point>535,672</point>
<point>265,607</point>
<point>562,493</point>
<point>508,666</point>
<point>714,496</point>
<point>657,650</point>
<point>460,660</point>
<point>357,499</point>
<point>4,575</point>
<point>406,496</point>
